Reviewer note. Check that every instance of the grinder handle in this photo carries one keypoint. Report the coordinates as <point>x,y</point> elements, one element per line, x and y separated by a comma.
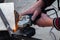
<point>30,16</point>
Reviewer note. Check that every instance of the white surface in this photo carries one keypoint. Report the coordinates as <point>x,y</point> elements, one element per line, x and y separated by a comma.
<point>8,11</point>
<point>41,32</point>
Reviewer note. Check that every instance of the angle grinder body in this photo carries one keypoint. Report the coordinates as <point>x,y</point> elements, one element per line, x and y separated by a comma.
<point>23,26</point>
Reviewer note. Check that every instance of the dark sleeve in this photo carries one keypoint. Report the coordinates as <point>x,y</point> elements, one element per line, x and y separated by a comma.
<point>48,2</point>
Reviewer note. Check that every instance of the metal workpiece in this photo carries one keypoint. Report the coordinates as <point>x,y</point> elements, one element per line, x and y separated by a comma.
<point>6,23</point>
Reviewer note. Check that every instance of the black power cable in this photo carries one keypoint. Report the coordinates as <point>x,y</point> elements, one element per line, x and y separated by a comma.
<point>50,15</point>
<point>53,10</point>
<point>58,5</point>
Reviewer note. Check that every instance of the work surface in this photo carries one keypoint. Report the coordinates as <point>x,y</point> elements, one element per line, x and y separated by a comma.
<point>41,33</point>
<point>8,14</point>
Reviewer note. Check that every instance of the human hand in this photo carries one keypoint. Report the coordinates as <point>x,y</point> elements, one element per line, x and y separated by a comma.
<point>35,11</point>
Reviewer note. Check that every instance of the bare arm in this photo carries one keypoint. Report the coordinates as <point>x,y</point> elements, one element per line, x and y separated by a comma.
<point>36,9</point>
<point>44,21</point>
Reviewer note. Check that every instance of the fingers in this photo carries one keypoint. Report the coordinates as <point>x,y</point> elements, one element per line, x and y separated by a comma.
<point>29,11</point>
<point>24,13</point>
<point>36,13</point>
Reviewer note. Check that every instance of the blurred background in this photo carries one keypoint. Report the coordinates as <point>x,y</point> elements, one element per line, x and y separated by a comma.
<point>41,32</point>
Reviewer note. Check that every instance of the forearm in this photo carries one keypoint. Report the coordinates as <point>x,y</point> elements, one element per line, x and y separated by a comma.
<point>44,21</point>
<point>39,4</point>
